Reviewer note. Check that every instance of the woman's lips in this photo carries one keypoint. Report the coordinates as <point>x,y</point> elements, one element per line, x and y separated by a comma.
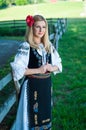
<point>40,33</point>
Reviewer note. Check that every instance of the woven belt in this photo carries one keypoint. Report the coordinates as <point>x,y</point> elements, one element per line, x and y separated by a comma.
<point>39,76</point>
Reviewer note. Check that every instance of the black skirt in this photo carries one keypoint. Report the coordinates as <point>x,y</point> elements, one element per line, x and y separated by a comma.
<point>39,102</point>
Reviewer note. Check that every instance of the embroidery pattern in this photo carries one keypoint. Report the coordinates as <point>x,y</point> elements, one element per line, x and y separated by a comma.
<point>47,120</point>
<point>24,47</point>
<point>43,127</point>
<point>23,50</point>
<point>39,57</point>
<point>35,108</point>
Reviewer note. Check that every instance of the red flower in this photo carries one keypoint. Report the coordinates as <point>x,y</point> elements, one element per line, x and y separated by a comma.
<point>29,20</point>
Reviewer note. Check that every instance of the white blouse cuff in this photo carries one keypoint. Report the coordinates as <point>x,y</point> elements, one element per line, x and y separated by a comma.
<point>59,69</point>
<point>18,71</point>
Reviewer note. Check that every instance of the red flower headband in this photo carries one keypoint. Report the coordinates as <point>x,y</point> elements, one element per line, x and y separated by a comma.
<point>29,20</point>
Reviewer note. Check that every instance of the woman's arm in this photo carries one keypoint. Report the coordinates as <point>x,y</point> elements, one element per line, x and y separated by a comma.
<point>43,69</point>
<point>40,70</point>
<point>20,62</point>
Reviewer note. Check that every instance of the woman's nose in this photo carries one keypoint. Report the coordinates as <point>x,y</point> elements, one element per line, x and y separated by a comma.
<point>40,29</point>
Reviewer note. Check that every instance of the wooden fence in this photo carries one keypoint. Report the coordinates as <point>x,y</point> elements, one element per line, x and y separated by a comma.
<point>60,28</point>
<point>22,23</point>
<point>18,27</point>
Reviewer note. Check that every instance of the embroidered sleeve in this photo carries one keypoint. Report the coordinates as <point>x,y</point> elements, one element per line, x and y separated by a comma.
<point>20,62</point>
<point>56,60</point>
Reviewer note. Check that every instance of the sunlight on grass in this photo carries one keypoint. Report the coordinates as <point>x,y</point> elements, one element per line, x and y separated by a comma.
<point>48,10</point>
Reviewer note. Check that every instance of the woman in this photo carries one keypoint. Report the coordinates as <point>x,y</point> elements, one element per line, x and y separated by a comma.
<point>36,60</point>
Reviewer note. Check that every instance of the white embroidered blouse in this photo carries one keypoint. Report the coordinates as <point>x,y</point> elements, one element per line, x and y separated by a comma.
<point>21,60</point>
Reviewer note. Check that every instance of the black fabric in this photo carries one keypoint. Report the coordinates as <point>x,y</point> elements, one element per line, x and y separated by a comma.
<point>35,59</point>
<point>43,89</point>
<point>39,94</point>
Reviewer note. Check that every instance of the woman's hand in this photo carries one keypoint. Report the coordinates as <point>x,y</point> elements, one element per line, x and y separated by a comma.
<point>51,68</point>
<point>43,69</point>
<point>47,68</point>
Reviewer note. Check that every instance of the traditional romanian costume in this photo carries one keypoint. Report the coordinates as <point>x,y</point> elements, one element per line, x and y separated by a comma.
<point>34,109</point>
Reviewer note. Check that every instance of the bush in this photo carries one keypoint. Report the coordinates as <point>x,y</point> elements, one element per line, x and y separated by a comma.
<point>7,31</point>
<point>3,4</point>
<point>36,1</point>
<point>21,2</point>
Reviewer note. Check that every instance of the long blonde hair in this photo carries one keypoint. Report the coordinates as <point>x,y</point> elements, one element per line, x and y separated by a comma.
<point>45,38</point>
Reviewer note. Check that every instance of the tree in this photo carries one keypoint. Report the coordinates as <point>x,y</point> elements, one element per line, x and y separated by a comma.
<point>3,3</point>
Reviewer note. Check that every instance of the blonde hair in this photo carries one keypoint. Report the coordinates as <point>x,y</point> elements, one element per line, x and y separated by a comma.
<point>45,38</point>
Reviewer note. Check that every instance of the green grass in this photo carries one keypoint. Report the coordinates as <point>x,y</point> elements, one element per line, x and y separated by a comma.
<point>48,10</point>
<point>69,112</point>
<point>19,38</point>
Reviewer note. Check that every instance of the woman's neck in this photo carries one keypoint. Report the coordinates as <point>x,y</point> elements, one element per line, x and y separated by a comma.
<point>37,40</point>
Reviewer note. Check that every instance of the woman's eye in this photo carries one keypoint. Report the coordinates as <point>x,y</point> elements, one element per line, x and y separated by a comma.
<point>40,27</point>
<point>44,27</point>
<point>37,26</point>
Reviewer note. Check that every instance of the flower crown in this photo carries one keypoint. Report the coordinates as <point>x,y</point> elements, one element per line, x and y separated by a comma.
<point>29,20</point>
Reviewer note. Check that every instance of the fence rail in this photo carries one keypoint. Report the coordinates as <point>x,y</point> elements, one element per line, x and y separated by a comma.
<point>60,28</point>
<point>18,27</point>
<point>20,23</point>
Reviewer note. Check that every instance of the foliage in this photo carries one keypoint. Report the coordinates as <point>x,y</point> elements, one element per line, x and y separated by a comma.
<point>36,1</point>
<point>12,31</point>
<point>21,2</point>
<point>5,3</point>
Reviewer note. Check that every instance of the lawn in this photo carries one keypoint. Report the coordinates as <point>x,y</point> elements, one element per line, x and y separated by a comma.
<point>69,112</point>
<point>48,10</point>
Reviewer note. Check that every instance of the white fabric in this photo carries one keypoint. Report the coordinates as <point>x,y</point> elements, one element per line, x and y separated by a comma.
<point>56,60</point>
<point>22,122</point>
<point>42,48</point>
<point>21,60</point>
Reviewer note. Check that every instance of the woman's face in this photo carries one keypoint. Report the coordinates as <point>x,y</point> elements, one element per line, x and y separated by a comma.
<point>39,29</point>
